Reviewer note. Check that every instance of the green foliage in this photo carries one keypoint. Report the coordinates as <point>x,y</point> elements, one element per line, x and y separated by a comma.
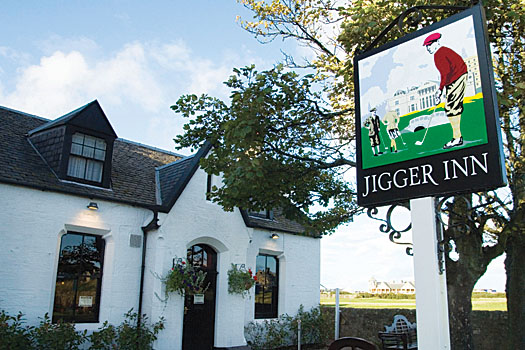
<point>274,146</point>
<point>103,338</point>
<point>130,335</point>
<point>316,328</point>
<point>184,278</point>
<point>385,296</point>
<point>240,280</point>
<point>57,336</point>
<point>13,334</point>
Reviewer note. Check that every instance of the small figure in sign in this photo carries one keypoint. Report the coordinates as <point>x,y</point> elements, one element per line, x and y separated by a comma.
<point>373,124</point>
<point>391,120</point>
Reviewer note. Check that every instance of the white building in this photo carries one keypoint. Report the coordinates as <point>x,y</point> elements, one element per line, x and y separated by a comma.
<point>152,208</point>
<point>383,287</point>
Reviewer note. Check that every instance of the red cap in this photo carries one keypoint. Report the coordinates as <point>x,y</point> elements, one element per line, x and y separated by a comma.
<point>431,38</point>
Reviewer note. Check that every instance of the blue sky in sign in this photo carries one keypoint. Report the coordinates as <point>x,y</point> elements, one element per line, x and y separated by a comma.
<point>409,64</point>
<point>136,58</point>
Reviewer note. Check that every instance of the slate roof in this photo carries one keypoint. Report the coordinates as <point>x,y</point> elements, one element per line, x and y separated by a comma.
<point>141,175</point>
<point>278,223</point>
<point>132,175</point>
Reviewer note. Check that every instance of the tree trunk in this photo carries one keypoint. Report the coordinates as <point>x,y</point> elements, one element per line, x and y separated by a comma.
<point>460,283</point>
<point>515,267</point>
<point>463,274</point>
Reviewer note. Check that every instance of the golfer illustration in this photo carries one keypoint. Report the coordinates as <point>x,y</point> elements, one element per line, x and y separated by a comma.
<point>372,123</point>
<point>453,71</point>
<point>391,120</point>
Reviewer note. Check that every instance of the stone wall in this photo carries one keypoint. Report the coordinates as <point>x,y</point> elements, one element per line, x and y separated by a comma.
<point>490,327</point>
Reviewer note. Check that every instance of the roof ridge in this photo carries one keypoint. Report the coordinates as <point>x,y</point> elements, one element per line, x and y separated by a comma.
<point>184,158</point>
<point>26,114</point>
<point>151,147</point>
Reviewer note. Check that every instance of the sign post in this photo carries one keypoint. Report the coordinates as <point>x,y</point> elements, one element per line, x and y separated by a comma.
<point>431,285</point>
<point>419,137</point>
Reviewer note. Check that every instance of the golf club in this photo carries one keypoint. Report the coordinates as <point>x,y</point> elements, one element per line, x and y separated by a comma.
<point>419,143</point>
<point>402,138</point>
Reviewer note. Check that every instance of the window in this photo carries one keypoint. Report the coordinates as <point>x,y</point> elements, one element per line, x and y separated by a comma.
<point>79,278</point>
<point>267,286</point>
<point>263,214</point>
<point>86,160</point>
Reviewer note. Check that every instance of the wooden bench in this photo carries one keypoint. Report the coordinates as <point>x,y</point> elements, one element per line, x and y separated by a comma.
<point>401,334</point>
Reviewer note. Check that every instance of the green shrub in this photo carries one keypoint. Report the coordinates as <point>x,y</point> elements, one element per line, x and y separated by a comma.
<point>57,336</point>
<point>280,333</point>
<point>13,334</point>
<point>316,327</point>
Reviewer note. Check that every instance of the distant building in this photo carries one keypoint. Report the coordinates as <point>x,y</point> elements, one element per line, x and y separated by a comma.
<point>382,287</point>
<point>417,98</point>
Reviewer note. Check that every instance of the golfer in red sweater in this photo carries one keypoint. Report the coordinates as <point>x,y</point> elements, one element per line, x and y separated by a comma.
<point>453,71</point>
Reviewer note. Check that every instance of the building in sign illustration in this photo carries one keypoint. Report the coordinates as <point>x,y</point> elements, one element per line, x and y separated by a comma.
<point>76,192</point>
<point>422,97</point>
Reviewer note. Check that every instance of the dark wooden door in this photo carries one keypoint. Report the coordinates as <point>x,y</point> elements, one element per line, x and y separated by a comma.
<point>199,319</point>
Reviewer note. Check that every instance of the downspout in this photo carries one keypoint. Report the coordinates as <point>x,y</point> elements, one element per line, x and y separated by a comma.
<point>152,225</point>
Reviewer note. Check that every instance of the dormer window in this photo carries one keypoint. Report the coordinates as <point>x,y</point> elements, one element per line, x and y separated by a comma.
<point>87,156</point>
<point>263,214</point>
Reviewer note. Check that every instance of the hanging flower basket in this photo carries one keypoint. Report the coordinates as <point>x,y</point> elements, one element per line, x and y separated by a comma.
<point>240,280</point>
<point>185,279</point>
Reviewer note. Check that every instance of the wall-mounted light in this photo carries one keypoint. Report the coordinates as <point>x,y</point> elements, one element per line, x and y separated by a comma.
<point>92,206</point>
<point>274,236</point>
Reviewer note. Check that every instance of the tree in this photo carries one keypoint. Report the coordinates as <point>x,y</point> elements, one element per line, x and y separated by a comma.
<point>276,146</point>
<point>279,144</point>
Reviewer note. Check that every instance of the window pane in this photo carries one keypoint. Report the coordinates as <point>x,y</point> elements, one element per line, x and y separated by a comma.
<point>271,264</point>
<point>88,152</point>
<point>76,167</point>
<point>91,259</point>
<point>89,141</point>
<point>64,299</point>
<point>100,154</point>
<point>266,287</point>
<point>94,171</point>
<point>76,149</point>
<point>100,144</point>
<point>86,300</point>
<point>260,263</point>
<point>78,138</point>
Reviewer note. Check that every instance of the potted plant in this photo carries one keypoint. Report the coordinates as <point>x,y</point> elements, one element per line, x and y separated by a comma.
<point>240,279</point>
<point>185,279</point>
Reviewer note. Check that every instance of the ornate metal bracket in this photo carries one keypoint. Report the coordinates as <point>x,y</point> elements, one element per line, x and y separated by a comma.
<point>412,18</point>
<point>393,234</point>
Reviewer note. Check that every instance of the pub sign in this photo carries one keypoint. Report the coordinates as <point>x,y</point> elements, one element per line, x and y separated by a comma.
<point>426,114</point>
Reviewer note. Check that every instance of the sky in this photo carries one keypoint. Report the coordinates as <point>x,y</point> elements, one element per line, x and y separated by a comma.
<point>136,58</point>
<point>409,64</point>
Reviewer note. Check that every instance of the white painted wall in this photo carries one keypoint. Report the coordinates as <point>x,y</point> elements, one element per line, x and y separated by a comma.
<point>32,226</point>
<point>34,221</point>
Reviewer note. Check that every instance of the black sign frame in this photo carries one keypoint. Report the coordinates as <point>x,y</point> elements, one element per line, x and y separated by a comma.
<point>443,173</point>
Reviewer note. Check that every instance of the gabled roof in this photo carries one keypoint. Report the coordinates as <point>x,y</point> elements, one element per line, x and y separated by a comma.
<point>132,174</point>
<point>141,175</point>
<point>90,116</point>
<point>174,177</point>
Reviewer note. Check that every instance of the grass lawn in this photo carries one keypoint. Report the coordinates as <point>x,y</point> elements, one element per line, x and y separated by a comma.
<point>485,304</point>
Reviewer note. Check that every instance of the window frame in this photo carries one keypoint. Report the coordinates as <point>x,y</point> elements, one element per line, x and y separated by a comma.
<point>274,308</point>
<point>106,164</point>
<point>76,277</point>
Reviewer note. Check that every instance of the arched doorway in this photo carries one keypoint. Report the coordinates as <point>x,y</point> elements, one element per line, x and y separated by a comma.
<point>199,318</point>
